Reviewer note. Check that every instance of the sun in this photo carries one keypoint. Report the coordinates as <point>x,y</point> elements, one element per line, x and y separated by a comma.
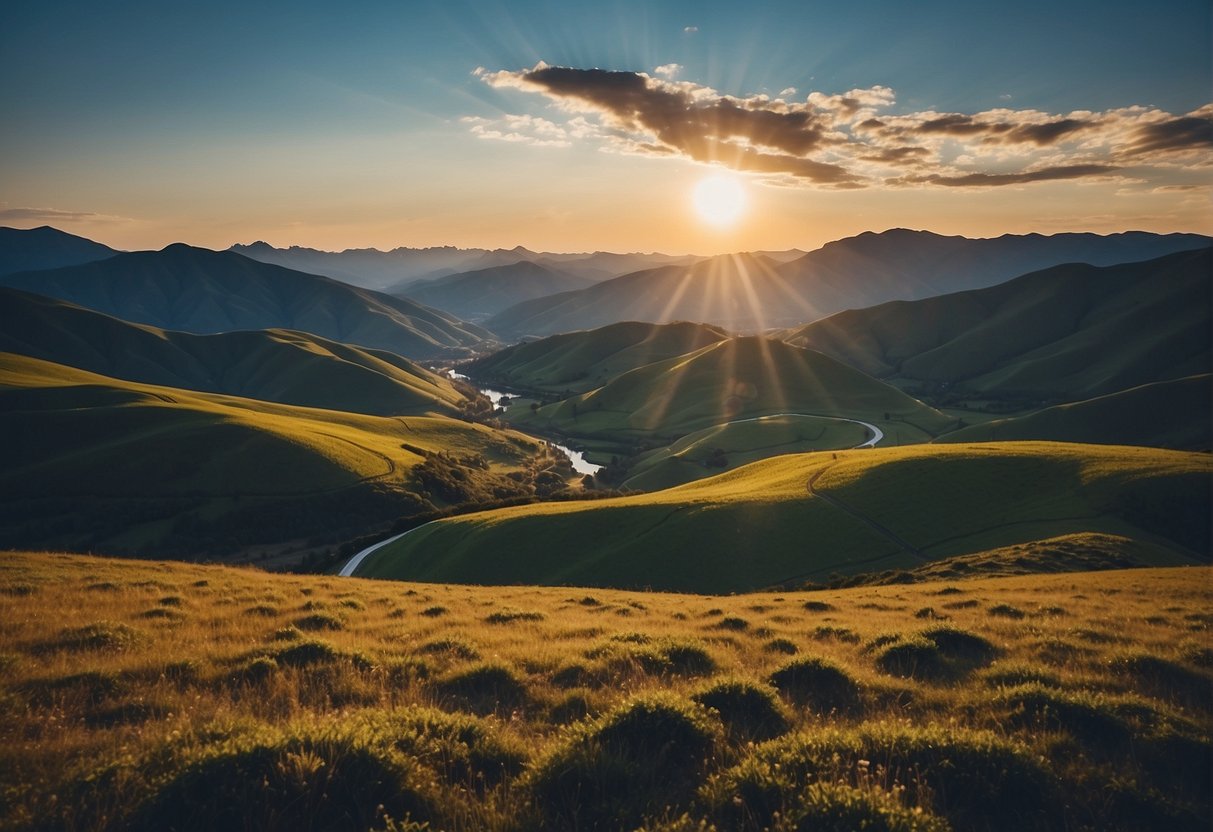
<point>719,199</point>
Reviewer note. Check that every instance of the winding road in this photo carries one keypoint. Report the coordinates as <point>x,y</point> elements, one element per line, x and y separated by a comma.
<point>877,433</point>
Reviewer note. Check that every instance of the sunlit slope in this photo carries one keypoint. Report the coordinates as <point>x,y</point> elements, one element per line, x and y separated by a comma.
<point>581,361</point>
<point>273,365</point>
<point>760,525</point>
<point>708,452</point>
<point>198,290</point>
<point>1167,414</point>
<point>736,379</point>
<point>107,463</point>
<point>1073,331</point>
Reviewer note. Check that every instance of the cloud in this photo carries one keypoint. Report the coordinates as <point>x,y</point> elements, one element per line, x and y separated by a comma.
<point>848,139</point>
<point>690,30</point>
<point>787,91</point>
<point>54,215</point>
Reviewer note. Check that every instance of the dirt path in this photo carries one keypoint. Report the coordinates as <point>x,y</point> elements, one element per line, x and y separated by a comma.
<point>884,531</point>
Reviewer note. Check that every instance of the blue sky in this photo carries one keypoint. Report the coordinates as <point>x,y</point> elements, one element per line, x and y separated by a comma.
<point>352,125</point>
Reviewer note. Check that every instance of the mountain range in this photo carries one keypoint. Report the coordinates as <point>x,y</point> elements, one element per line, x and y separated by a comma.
<point>23,250</point>
<point>197,290</point>
<point>748,292</point>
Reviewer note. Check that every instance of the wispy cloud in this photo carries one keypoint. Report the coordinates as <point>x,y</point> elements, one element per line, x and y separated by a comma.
<point>54,215</point>
<point>850,139</point>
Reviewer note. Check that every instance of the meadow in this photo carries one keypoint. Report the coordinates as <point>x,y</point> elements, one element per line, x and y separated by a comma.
<point>156,695</point>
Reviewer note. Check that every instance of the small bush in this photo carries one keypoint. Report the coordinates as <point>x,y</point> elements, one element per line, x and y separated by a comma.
<point>1168,679</point>
<point>1012,675</point>
<point>844,634</point>
<point>732,623</point>
<point>458,648</point>
<point>748,711</point>
<point>434,611</point>
<point>817,683</point>
<point>1007,611</point>
<point>351,604</point>
<point>646,756</point>
<point>485,688</point>
<point>262,611</point>
<point>1086,717</point>
<point>509,616</point>
<point>781,645</point>
<point>319,621</point>
<point>915,657</point>
<point>961,645</point>
<point>307,654</point>
<point>103,636</point>
<point>818,606</point>
<point>836,807</point>
<point>255,671</point>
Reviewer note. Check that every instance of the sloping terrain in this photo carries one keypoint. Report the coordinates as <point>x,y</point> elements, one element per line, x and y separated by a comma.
<point>1066,333</point>
<point>581,361</point>
<point>1167,414</point>
<point>202,291</point>
<point>24,250</point>
<point>734,379</point>
<point>152,695</point>
<point>807,516</point>
<point>475,295</point>
<point>752,293</point>
<point>272,365</point>
<point>97,464</point>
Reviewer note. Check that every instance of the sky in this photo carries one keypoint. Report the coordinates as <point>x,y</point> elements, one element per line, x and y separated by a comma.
<point>576,126</point>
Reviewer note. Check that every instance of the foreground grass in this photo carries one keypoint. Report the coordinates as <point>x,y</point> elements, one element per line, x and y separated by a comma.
<point>158,695</point>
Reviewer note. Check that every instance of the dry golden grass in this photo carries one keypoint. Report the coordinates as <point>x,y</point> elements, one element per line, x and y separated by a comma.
<point>121,680</point>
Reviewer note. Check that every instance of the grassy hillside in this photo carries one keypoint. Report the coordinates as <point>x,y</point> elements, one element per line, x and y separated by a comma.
<point>868,510</point>
<point>170,696</point>
<point>477,294</point>
<point>94,463</point>
<point>751,293</point>
<point>734,379</point>
<point>197,290</point>
<point>1066,333</point>
<point>273,365</point>
<point>711,450</point>
<point>1168,414</point>
<point>582,361</point>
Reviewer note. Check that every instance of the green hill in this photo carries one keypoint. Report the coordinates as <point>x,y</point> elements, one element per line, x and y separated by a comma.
<point>581,361</point>
<point>272,365</point>
<point>867,510</point>
<point>707,452</point>
<point>734,379</point>
<point>1067,333</point>
<point>197,290</point>
<point>1167,414</point>
<point>94,463</point>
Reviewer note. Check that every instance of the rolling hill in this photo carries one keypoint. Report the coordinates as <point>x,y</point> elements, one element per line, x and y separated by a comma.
<point>475,295</point>
<point>97,464</point>
<point>753,293</point>
<point>581,361</point>
<point>272,365</point>
<point>729,380</point>
<point>807,516</point>
<point>1166,414</point>
<point>1069,332</point>
<point>202,291</point>
<point>23,250</point>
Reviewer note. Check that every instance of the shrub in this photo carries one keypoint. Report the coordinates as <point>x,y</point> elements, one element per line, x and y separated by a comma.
<point>781,645</point>
<point>938,653</point>
<point>818,606</point>
<point>645,756</point>
<point>485,688</point>
<point>262,610</point>
<point>1087,717</point>
<point>434,611</point>
<point>458,648</point>
<point>509,616</point>
<point>915,657</point>
<point>103,636</point>
<point>328,779</point>
<point>319,621</point>
<point>1168,679</point>
<point>307,654</point>
<point>837,807</point>
<point>255,670</point>
<point>748,711</point>
<point>973,779</point>
<point>961,645</point>
<point>816,683</point>
<point>732,623</point>
<point>1007,611</point>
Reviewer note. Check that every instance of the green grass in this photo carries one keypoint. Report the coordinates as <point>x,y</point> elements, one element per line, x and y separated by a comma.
<point>1165,414</point>
<point>729,380</point>
<point>113,465</point>
<point>582,361</point>
<point>1089,712</point>
<point>697,455</point>
<point>759,526</point>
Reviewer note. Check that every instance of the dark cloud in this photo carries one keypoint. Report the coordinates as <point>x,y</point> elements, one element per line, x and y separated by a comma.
<point>844,140</point>
<point>1191,132</point>
<point>986,180</point>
